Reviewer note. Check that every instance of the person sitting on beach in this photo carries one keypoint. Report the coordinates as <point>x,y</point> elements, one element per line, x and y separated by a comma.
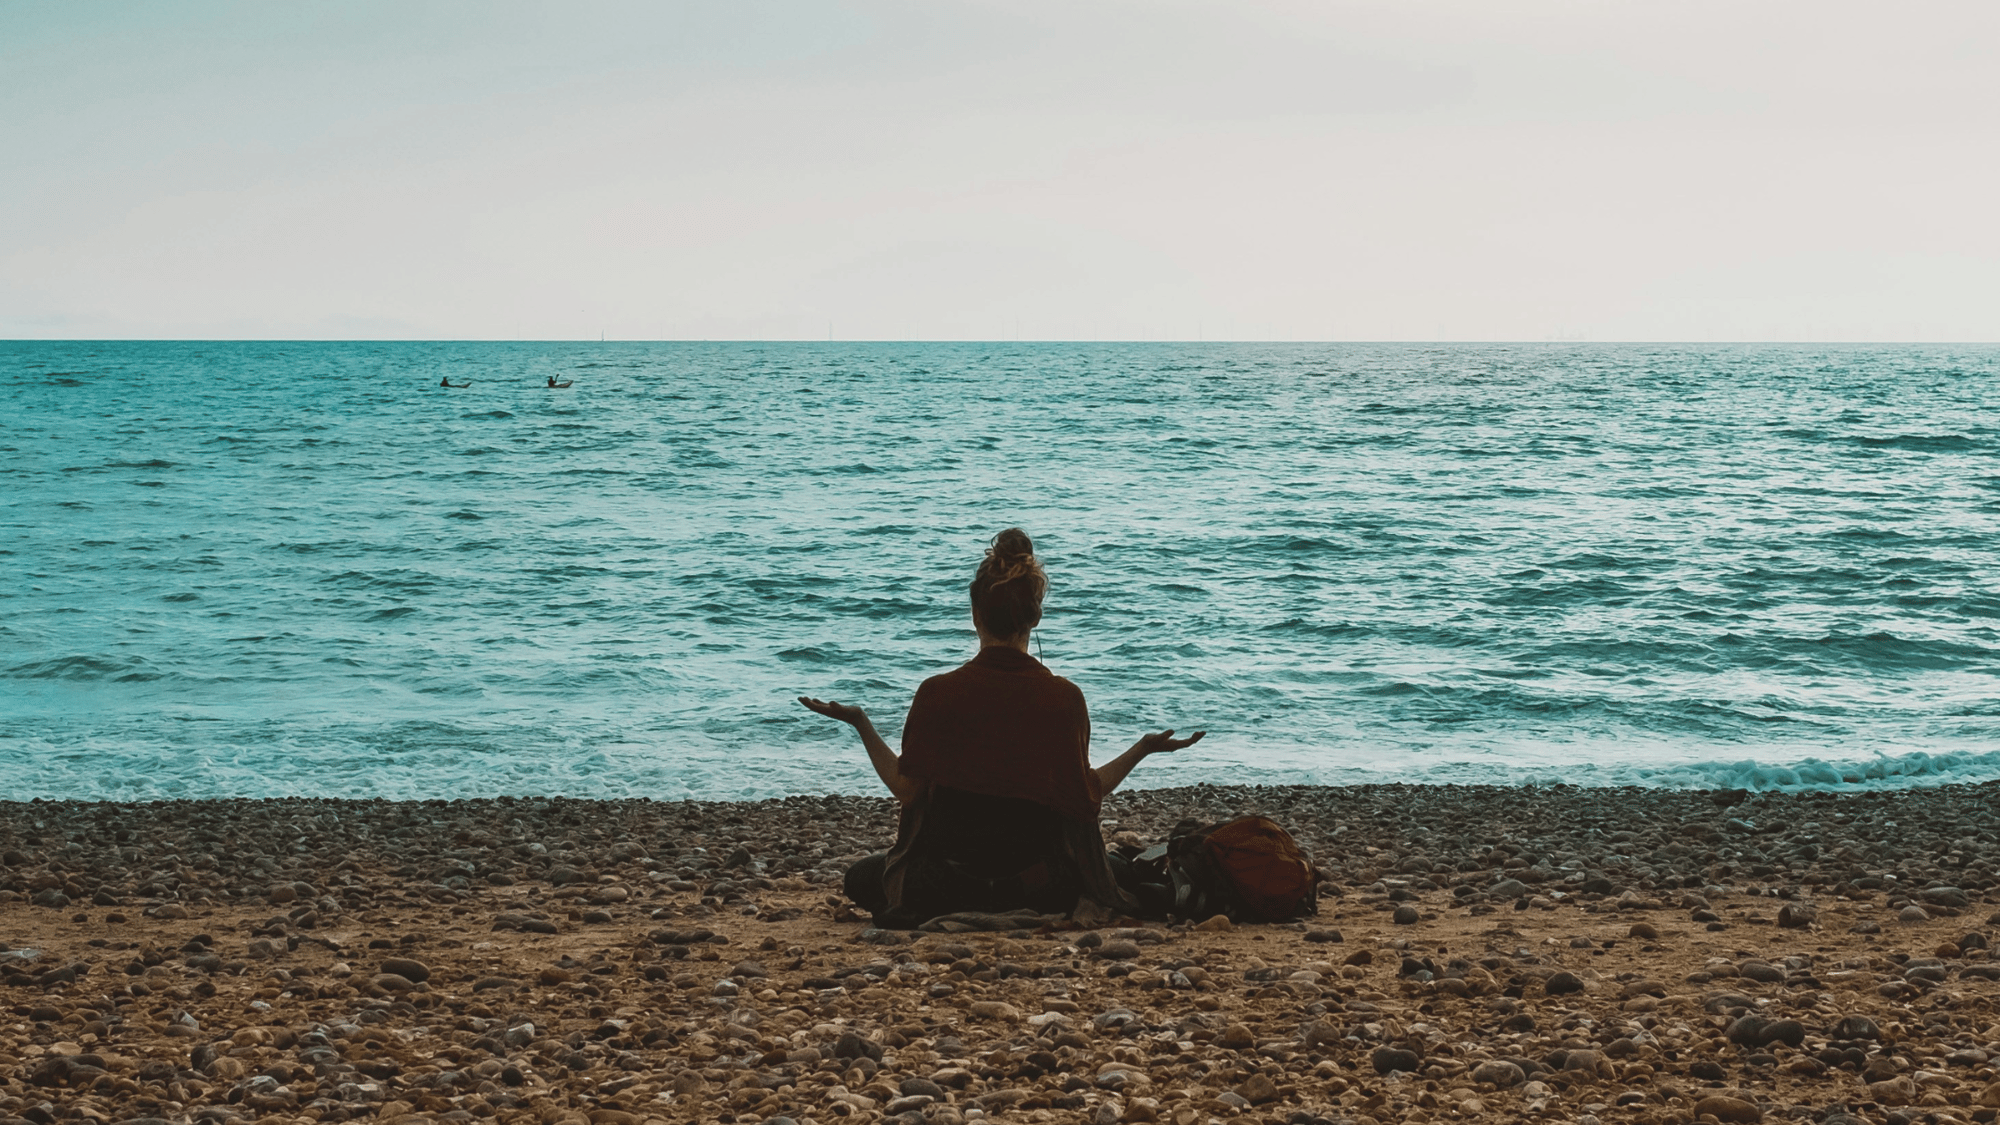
<point>999,801</point>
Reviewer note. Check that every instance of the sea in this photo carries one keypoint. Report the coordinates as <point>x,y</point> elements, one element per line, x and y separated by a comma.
<point>276,568</point>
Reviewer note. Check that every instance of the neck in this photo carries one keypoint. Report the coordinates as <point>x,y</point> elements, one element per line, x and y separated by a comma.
<point>988,640</point>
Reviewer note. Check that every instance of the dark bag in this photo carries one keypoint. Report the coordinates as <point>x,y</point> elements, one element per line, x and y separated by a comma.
<point>1248,868</point>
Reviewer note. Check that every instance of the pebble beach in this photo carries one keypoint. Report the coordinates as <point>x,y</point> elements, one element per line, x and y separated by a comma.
<point>1505,953</point>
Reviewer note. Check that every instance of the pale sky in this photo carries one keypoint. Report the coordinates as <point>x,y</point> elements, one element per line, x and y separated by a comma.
<point>1399,169</point>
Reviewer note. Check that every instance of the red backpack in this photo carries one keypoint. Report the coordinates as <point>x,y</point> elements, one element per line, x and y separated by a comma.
<point>1248,868</point>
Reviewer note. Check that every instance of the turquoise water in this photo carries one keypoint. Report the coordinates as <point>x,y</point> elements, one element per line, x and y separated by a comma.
<point>249,569</point>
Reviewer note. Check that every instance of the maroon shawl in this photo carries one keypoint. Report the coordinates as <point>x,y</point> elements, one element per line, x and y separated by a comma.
<point>1004,725</point>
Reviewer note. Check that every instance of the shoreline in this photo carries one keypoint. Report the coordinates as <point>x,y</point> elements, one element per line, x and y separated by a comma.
<point>1622,954</point>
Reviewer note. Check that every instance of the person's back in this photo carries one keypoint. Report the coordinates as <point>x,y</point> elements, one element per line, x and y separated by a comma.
<point>999,802</point>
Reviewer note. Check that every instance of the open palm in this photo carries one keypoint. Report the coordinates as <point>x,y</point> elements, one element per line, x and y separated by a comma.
<point>1164,742</point>
<point>846,712</point>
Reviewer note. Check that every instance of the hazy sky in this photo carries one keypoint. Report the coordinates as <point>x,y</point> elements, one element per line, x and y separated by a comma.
<point>1491,169</point>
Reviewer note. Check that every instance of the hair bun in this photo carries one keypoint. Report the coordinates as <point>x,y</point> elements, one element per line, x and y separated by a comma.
<point>1007,591</point>
<point>1012,545</point>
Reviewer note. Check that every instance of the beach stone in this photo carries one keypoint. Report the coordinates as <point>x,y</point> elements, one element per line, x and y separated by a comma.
<point>994,1010</point>
<point>1796,916</point>
<point>1508,888</point>
<point>1913,914</point>
<point>1791,1033</point>
<point>921,1087</point>
<point>416,972</point>
<point>1218,924</point>
<point>1323,936</point>
<point>1121,950</point>
<point>1762,972</point>
<point>1258,1089</point>
<point>1562,984</point>
<point>1728,1109</point>
<point>1708,1071</point>
<point>1643,930</point>
<point>1405,916</point>
<point>1320,1033</point>
<point>1748,1031</point>
<point>1900,1090</point>
<point>1584,1060</point>
<point>1236,1037</point>
<point>1387,1060</point>
<point>1500,1073</point>
<point>1945,896</point>
<point>853,1046</point>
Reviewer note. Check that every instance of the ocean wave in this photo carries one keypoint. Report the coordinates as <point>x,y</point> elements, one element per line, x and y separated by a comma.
<point>1921,443</point>
<point>79,666</point>
<point>1884,771</point>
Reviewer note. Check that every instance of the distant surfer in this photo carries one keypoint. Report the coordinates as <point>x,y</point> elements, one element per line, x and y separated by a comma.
<point>446,382</point>
<point>555,386</point>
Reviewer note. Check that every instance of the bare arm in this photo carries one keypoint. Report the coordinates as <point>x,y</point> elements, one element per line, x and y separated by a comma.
<point>887,766</point>
<point>1112,772</point>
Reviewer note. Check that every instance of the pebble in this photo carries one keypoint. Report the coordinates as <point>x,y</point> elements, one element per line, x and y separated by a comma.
<point>1236,1037</point>
<point>1500,1073</point>
<point>1728,1109</point>
<point>1388,1060</point>
<point>416,972</point>
<point>1562,984</point>
<point>1796,916</point>
<point>1258,1089</point>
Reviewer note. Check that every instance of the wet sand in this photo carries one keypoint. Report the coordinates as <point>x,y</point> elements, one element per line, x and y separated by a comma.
<point>1480,954</point>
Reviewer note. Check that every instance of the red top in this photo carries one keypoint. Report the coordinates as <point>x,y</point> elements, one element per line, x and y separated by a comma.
<point>1003,725</point>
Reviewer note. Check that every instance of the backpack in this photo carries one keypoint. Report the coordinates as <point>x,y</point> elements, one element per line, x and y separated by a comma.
<point>1248,868</point>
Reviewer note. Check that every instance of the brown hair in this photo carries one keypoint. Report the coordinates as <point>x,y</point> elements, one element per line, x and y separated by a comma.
<point>1007,591</point>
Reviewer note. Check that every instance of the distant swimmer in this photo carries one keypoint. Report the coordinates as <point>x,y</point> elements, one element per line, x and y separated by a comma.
<point>446,382</point>
<point>555,386</point>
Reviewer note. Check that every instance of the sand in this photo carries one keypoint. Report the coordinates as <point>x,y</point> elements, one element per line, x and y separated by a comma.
<point>1565,955</point>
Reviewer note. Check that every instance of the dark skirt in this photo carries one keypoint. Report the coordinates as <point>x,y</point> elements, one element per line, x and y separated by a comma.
<point>959,851</point>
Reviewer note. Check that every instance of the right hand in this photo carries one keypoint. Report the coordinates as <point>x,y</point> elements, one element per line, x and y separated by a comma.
<point>1164,742</point>
<point>846,712</point>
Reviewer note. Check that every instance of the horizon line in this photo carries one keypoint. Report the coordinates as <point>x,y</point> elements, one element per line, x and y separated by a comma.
<point>956,340</point>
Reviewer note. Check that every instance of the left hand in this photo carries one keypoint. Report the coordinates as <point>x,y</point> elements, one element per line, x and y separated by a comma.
<point>846,712</point>
<point>1164,742</point>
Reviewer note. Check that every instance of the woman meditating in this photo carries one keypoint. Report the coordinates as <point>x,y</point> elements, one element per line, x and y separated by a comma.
<point>999,802</point>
